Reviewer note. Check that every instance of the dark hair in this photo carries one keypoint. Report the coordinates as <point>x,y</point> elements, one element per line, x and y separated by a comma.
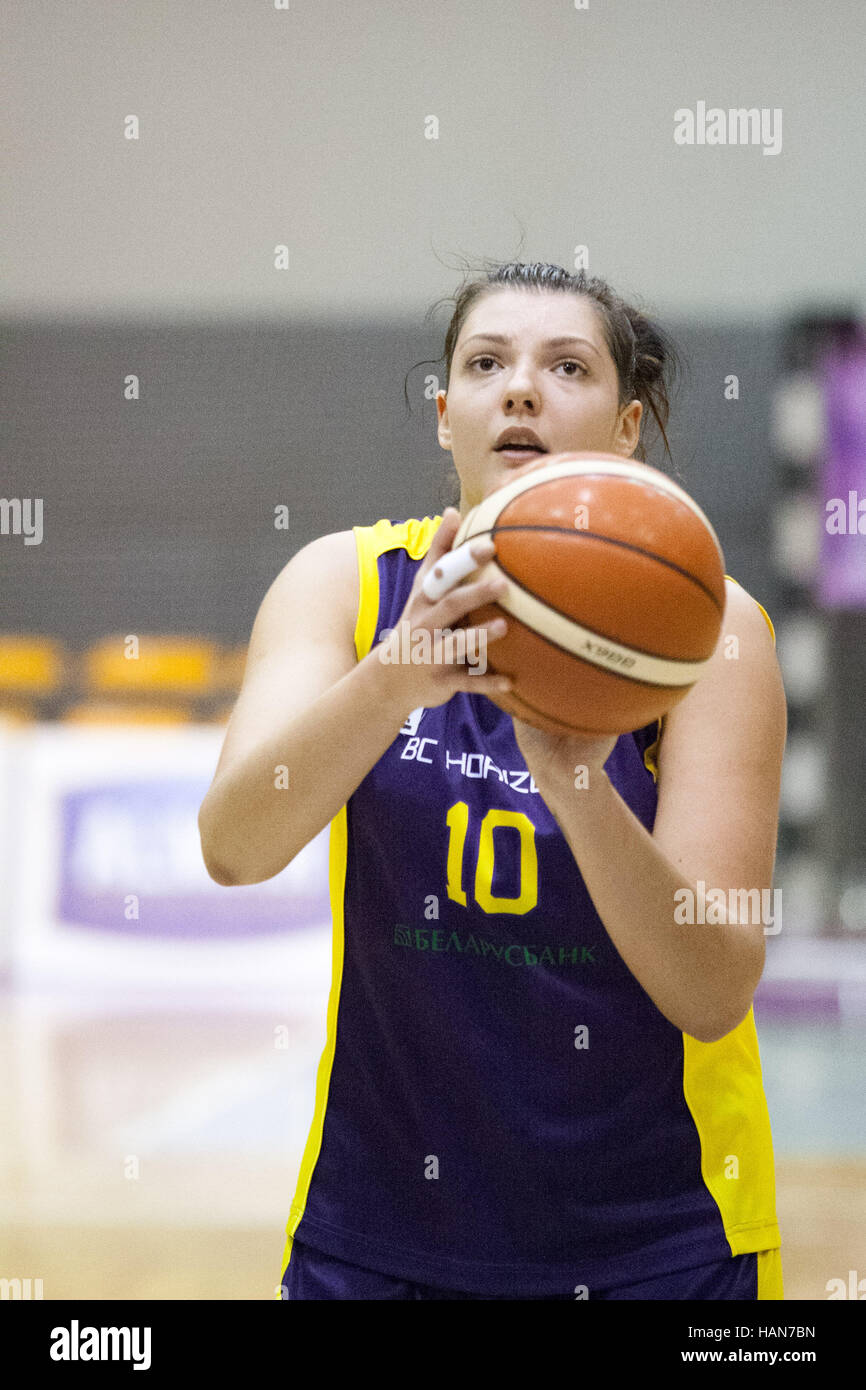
<point>645,357</point>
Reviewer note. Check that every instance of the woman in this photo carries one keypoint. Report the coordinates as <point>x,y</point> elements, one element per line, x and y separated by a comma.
<point>536,1083</point>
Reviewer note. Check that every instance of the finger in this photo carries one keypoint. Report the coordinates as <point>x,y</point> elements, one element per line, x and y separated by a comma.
<point>440,544</point>
<point>496,627</point>
<point>443,539</point>
<point>464,599</point>
<point>444,533</point>
<point>449,570</point>
<point>486,685</point>
<point>471,657</point>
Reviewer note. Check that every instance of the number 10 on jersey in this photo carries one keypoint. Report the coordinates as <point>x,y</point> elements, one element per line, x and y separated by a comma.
<point>457,821</point>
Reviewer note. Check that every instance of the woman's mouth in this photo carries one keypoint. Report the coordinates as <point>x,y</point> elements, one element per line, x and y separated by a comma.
<point>521,453</point>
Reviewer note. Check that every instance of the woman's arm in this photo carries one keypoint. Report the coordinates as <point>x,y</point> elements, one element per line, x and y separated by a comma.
<point>311,720</point>
<point>303,698</point>
<point>720,761</point>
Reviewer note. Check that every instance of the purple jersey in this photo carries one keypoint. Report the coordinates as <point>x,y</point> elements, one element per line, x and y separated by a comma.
<point>500,1106</point>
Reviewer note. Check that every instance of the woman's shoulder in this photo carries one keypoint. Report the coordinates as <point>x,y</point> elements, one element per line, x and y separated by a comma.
<point>333,562</point>
<point>741,601</point>
<point>333,553</point>
<point>325,569</point>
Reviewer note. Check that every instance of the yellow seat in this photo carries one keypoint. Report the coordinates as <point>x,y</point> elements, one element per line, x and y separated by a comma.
<point>118,712</point>
<point>31,665</point>
<point>177,665</point>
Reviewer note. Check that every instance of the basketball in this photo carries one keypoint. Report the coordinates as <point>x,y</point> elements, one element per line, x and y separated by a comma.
<point>616,592</point>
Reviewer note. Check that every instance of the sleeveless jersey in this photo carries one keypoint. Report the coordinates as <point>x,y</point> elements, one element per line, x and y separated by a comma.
<point>500,1106</point>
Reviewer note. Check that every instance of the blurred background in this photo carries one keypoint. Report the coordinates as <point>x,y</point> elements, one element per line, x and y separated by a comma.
<point>226,225</point>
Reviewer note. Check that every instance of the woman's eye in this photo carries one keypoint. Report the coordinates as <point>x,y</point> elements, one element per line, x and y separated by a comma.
<point>477,361</point>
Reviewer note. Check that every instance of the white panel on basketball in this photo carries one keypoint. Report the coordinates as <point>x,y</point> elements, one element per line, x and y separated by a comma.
<point>583,642</point>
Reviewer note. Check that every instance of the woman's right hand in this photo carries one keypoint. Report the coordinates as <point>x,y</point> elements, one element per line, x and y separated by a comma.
<point>433,681</point>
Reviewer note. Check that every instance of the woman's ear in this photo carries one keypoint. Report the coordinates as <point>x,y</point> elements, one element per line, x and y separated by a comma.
<point>628,429</point>
<point>443,431</point>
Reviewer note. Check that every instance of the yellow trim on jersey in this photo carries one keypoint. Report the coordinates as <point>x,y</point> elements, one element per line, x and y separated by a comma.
<point>651,753</point>
<point>370,542</point>
<point>337,881</point>
<point>723,1088</point>
<point>720,1080</point>
<point>770,1274</point>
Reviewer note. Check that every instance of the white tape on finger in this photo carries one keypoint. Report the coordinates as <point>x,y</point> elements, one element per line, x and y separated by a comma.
<point>448,571</point>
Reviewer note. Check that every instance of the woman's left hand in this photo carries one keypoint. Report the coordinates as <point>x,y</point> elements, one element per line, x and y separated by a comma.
<point>555,756</point>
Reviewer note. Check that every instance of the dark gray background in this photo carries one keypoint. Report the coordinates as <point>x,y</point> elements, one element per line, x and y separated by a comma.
<point>158,514</point>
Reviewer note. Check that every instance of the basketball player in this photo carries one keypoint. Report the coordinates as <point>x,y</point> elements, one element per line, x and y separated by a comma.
<point>536,1083</point>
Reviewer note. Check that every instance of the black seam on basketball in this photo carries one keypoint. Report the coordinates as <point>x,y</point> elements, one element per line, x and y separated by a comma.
<point>608,540</point>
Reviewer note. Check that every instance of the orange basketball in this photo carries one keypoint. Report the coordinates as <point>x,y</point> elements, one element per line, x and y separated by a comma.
<point>616,592</point>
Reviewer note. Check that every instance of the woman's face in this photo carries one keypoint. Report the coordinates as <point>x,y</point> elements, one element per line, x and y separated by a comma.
<point>507,371</point>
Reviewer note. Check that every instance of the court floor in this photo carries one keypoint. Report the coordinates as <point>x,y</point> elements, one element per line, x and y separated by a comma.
<point>151,1152</point>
